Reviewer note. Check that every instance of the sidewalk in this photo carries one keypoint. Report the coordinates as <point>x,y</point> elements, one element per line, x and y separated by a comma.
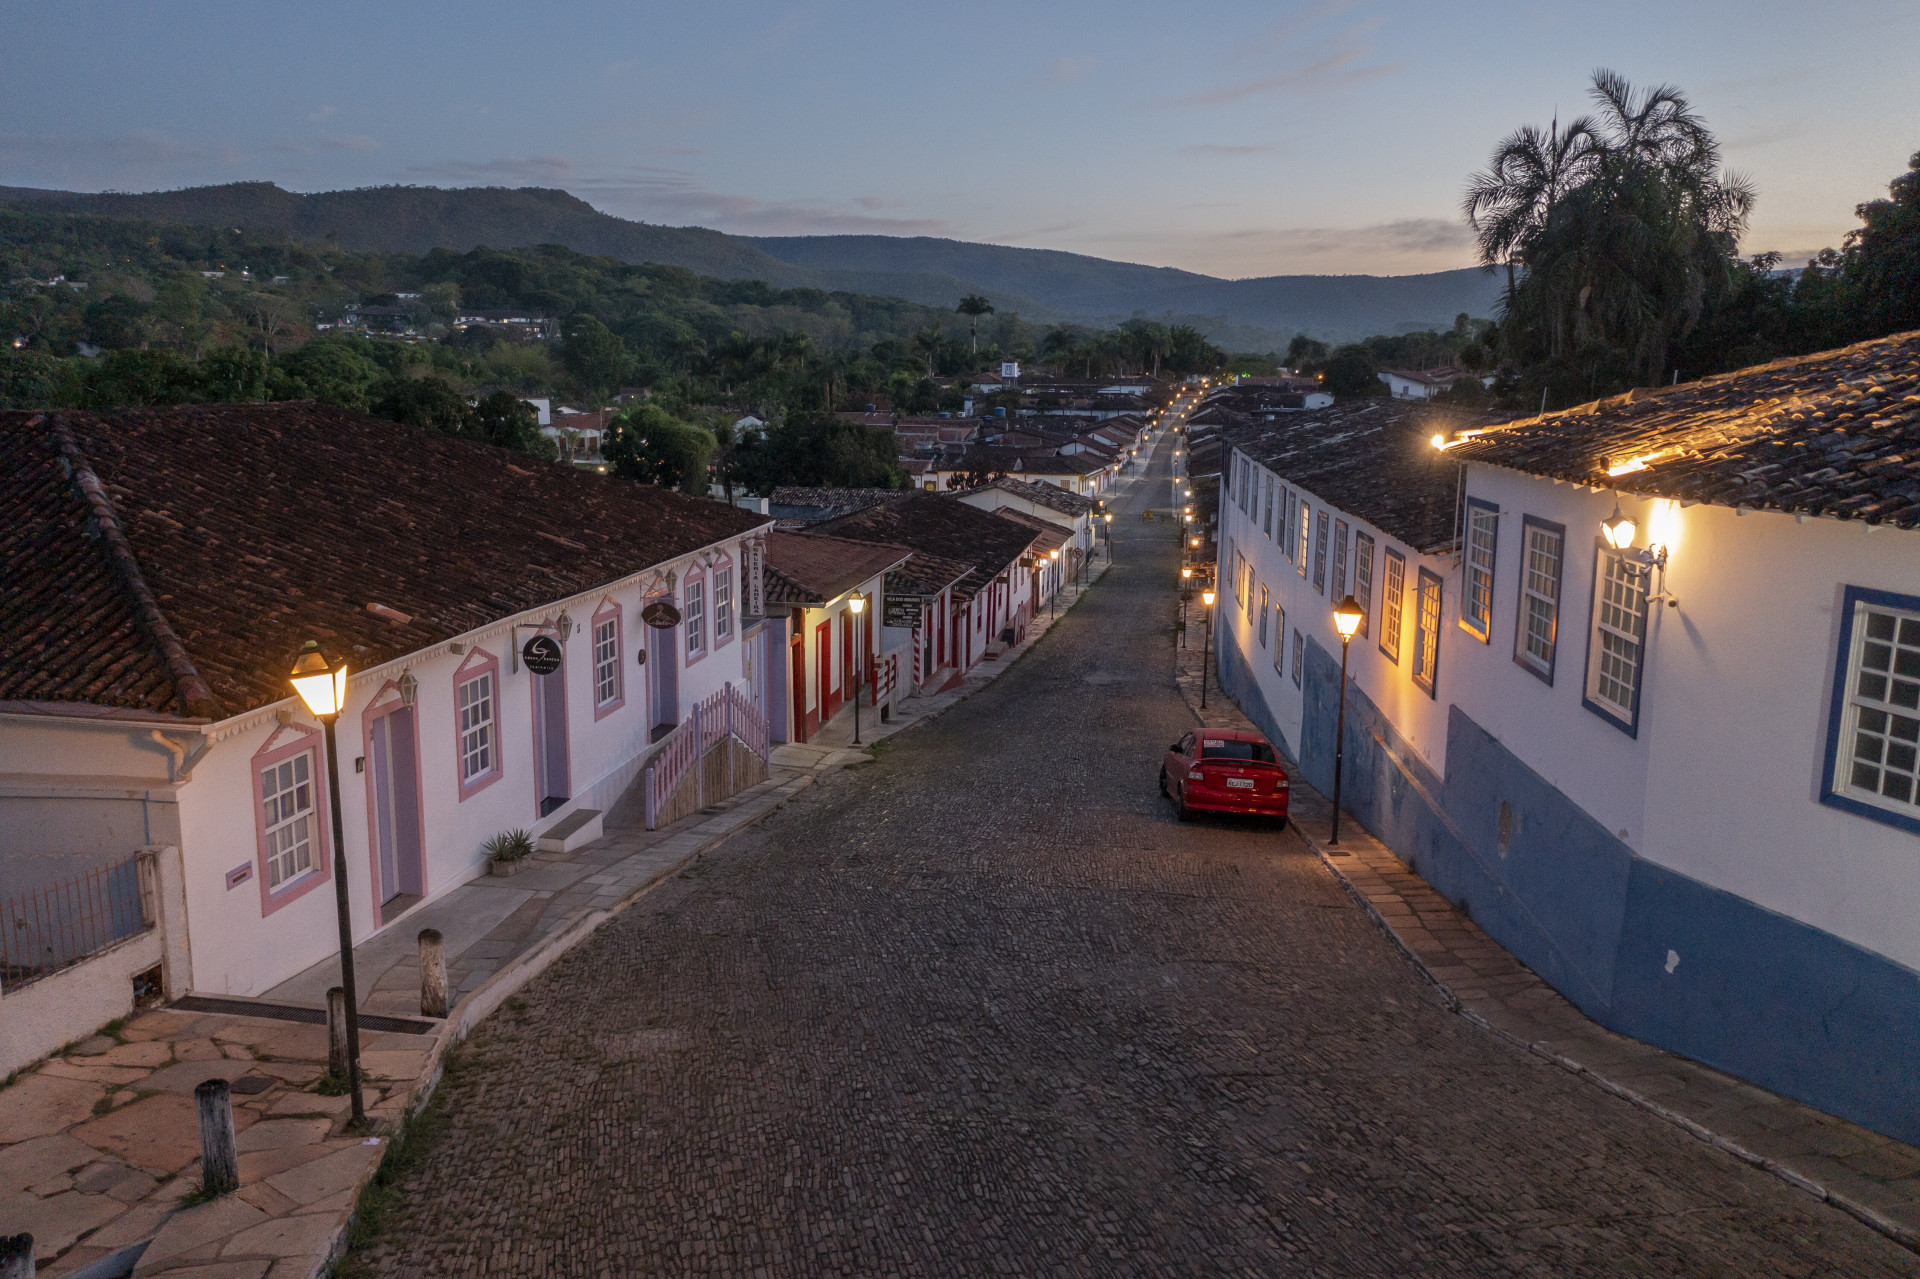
<point>1871,1177</point>
<point>98,1145</point>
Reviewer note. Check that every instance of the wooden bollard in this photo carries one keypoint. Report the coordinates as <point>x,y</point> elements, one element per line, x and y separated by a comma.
<point>16,1257</point>
<point>219,1164</point>
<point>433,974</point>
<point>337,1032</point>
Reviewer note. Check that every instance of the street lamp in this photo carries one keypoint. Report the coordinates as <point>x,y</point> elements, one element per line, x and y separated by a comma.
<point>1186,576</point>
<point>322,685</point>
<point>855,606</point>
<point>1109,537</point>
<point>1346,619</point>
<point>1053,592</point>
<point>1617,529</point>
<point>1206,647</point>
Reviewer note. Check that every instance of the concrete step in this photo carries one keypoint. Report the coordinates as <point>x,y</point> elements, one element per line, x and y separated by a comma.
<point>576,830</point>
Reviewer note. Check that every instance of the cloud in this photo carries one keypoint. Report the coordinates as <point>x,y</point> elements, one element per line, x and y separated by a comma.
<point>321,113</point>
<point>1219,149</point>
<point>1064,71</point>
<point>1282,33</point>
<point>1335,71</point>
<point>550,169</point>
<point>1407,235</point>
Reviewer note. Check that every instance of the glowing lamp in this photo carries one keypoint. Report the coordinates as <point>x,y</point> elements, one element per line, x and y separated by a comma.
<point>1439,441</point>
<point>1054,554</point>
<point>1617,529</point>
<point>1347,618</point>
<point>322,684</point>
<point>1109,517</point>
<point>856,604</point>
<point>1206,597</point>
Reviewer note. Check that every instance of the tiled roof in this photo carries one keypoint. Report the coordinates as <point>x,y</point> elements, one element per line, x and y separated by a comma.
<point>926,575</point>
<point>808,568</point>
<point>935,525</point>
<point>1055,464</point>
<point>1051,496</point>
<point>1837,433</point>
<point>1045,536</point>
<point>249,528</point>
<point>811,505</point>
<point>1370,457</point>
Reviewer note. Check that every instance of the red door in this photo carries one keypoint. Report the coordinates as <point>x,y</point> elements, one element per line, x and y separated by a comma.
<point>798,647</point>
<point>824,704</point>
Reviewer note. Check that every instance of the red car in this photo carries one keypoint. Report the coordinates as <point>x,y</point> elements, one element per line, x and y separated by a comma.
<point>1225,770</point>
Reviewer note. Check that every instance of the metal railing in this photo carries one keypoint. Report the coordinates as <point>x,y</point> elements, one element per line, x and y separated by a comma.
<point>46,929</point>
<point>729,712</point>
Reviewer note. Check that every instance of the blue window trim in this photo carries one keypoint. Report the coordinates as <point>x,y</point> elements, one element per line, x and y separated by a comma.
<point>1520,601</point>
<point>1483,634</point>
<point>1630,728</point>
<point>1320,533</point>
<point>1830,795</point>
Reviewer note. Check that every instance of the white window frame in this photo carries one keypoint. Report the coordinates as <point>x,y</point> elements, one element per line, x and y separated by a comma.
<point>1616,635</point>
<point>1363,577</point>
<point>1481,547</point>
<point>1874,731</point>
<point>606,660</point>
<point>1279,639</point>
<point>1428,610</point>
<point>1305,522</point>
<point>1339,591</point>
<point>1263,617</point>
<point>1266,507</point>
<point>1536,621</point>
<point>290,818</point>
<point>696,616</point>
<point>478,709</point>
<point>1393,605</point>
<point>1299,653</point>
<point>722,605</point>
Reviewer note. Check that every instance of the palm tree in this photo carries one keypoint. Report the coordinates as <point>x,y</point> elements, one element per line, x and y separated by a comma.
<point>930,340</point>
<point>973,306</point>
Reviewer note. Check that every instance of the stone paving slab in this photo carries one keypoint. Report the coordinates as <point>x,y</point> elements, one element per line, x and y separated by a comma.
<point>1874,1178</point>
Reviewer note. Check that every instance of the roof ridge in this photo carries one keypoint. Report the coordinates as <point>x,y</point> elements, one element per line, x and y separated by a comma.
<point>196,697</point>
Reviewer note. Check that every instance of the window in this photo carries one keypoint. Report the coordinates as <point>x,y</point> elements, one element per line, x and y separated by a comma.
<point>1537,630</point>
<point>479,750</point>
<point>1392,605</point>
<point>1248,597</point>
<point>1279,640</point>
<point>1263,617</point>
<point>722,606</point>
<point>1320,552</point>
<point>1306,515</point>
<point>1483,530</point>
<point>1363,576</point>
<point>1266,509</point>
<point>1287,537</point>
<point>696,618</point>
<point>606,660</point>
<point>1299,654</point>
<point>1233,748</point>
<point>1614,645</point>
<point>1426,632</point>
<point>1873,768</point>
<point>1339,591</point>
<point>286,799</point>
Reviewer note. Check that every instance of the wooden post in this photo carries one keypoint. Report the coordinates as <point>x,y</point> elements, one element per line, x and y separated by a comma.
<point>16,1257</point>
<point>433,974</point>
<point>219,1165</point>
<point>337,1031</point>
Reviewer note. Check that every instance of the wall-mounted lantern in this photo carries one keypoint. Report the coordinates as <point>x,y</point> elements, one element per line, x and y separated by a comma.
<point>409,688</point>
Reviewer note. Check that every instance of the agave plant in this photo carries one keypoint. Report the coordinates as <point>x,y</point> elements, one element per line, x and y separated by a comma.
<point>509,846</point>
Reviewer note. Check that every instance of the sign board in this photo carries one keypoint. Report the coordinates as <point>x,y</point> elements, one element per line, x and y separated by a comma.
<point>661,615</point>
<point>902,611</point>
<point>541,654</point>
<point>239,875</point>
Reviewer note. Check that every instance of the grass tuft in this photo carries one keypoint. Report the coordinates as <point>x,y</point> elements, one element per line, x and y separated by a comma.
<point>407,1150</point>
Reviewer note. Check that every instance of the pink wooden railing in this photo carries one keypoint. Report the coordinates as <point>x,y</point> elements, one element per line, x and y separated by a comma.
<point>725,713</point>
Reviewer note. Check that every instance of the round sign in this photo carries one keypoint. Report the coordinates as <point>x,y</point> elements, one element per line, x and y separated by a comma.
<point>661,615</point>
<point>541,654</point>
<point>641,657</point>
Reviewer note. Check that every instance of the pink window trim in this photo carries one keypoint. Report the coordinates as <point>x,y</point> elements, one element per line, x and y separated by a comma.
<point>305,738</point>
<point>608,608</point>
<point>566,717</point>
<point>375,710</point>
<point>691,660</point>
<point>722,565</point>
<point>478,662</point>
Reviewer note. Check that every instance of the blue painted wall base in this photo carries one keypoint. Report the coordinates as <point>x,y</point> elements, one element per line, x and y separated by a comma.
<point>1641,949</point>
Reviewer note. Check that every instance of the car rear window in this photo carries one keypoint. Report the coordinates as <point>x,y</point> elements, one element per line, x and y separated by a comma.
<point>1223,748</point>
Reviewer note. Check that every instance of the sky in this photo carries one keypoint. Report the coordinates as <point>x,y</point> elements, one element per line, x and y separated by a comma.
<point>1232,137</point>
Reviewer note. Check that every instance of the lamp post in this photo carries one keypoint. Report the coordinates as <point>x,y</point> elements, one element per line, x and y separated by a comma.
<point>1053,593</point>
<point>1346,619</point>
<point>1109,537</point>
<point>1186,576</point>
<point>1206,649</point>
<point>855,606</point>
<point>322,685</point>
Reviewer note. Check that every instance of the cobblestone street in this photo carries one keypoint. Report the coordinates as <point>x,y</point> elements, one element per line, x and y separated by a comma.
<point>983,1006</point>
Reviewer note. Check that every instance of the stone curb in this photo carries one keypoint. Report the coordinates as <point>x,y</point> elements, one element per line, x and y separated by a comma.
<point>1902,1235</point>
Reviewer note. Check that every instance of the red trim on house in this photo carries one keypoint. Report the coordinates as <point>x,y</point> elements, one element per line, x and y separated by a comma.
<point>300,738</point>
<point>475,664</point>
<point>375,709</point>
<point>609,608</point>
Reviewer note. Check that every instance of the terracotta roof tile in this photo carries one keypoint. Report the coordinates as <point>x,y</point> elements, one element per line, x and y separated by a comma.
<point>811,568</point>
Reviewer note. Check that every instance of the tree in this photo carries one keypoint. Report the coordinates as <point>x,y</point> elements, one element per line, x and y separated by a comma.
<point>1304,352</point>
<point>1352,372</point>
<point>506,421</point>
<point>426,401</point>
<point>648,445</point>
<point>593,355</point>
<point>929,341</point>
<point>973,306</point>
<point>1882,259</point>
<point>332,372</point>
<point>815,448</point>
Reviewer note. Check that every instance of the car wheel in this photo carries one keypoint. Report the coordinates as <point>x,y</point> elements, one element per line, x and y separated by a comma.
<point>1180,808</point>
<point>1163,781</point>
<point>1279,825</point>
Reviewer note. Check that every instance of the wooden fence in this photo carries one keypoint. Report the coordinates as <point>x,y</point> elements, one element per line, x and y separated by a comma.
<point>716,752</point>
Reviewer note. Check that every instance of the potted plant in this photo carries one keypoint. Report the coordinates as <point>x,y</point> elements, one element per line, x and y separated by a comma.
<point>509,852</point>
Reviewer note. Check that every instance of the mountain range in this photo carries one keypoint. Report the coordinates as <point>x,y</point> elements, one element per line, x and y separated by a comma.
<point>1041,284</point>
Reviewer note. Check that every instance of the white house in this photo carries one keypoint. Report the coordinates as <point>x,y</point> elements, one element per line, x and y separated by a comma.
<point>1071,512</point>
<point>166,563</point>
<point>1677,776</point>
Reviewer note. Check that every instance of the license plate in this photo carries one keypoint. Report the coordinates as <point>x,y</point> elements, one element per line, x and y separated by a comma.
<point>1240,783</point>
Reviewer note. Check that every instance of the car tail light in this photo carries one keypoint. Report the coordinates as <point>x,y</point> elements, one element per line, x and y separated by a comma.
<point>1195,775</point>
